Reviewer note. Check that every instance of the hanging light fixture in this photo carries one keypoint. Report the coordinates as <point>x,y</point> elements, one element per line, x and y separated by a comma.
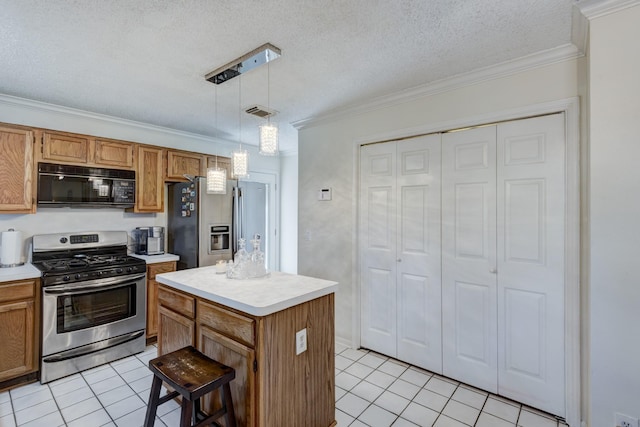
<point>216,177</point>
<point>240,157</point>
<point>268,145</point>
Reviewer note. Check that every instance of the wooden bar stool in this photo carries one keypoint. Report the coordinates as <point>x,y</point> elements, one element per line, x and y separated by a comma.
<point>192,375</point>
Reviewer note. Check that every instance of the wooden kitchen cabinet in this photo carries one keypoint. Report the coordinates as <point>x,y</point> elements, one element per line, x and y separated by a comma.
<point>16,170</point>
<point>149,180</point>
<point>223,163</point>
<point>152,294</point>
<point>110,153</point>
<point>65,148</point>
<point>176,320</point>
<point>180,163</point>
<point>19,332</point>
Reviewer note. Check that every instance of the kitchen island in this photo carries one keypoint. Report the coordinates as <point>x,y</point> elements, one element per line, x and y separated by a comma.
<point>251,325</point>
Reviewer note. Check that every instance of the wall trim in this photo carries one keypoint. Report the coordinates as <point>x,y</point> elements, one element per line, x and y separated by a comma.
<point>597,8</point>
<point>48,108</point>
<point>570,107</point>
<point>539,59</point>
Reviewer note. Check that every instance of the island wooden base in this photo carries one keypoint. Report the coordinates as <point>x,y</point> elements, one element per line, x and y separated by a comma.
<point>274,387</point>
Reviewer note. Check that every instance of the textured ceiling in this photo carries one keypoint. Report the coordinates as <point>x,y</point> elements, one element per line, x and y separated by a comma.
<point>145,60</point>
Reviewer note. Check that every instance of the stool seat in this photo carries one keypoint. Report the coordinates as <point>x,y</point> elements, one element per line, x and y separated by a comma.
<point>191,375</point>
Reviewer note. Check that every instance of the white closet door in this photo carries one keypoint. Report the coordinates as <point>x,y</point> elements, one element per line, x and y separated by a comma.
<point>469,257</point>
<point>418,252</point>
<point>377,238</point>
<point>531,214</point>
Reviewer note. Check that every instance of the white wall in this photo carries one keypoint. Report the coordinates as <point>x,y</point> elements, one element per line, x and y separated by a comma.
<point>614,61</point>
<point>327,158</point>
<point>289,213</point>
<point>32,113</point>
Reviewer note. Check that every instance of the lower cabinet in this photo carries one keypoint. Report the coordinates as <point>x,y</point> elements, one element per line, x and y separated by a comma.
<point>152,294</point>
<point>273,386</point>
<point>19,337</point>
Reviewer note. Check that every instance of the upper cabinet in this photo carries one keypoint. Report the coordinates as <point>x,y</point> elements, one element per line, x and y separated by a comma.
<point>222,162</point>
<point>16,170</point>
<point>59,147</point>
<point>111,153</point>
<point>180,163</point>
<point>149,180</point>
<point>62,147</point>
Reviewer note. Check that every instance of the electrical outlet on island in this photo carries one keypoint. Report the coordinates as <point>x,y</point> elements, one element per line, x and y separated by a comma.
<point>301,342</point>
<point>623,420</point>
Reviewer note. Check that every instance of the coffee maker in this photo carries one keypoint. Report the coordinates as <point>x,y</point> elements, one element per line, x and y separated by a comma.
<point>149,240</point>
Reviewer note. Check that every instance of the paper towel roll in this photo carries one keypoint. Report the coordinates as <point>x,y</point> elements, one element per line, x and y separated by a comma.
<point>11,250</point>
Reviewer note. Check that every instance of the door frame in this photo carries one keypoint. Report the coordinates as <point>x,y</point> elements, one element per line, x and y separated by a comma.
<point>571,109</point>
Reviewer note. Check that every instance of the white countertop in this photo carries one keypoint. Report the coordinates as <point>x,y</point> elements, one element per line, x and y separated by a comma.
<point>26,271</point>
<point>259,297</point>
<point>154,259</point>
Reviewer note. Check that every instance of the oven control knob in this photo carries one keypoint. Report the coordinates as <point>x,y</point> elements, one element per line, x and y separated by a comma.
<point>77,276</point>
<point>129,269</point>
<point>99,273</point>
<point>119,270</point>
<point>66,278</point>
<point>63,240</point>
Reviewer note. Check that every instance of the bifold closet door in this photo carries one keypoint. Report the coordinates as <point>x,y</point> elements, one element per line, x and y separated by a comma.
<point>400,250</point>
<point>531,230</point>
<point>469,283</point>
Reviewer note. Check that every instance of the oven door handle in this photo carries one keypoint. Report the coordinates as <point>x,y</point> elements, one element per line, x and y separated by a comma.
<point>91,286</point>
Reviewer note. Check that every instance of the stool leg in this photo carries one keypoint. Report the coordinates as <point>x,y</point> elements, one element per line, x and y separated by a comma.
<point>152,406</point>
<point>227,403</point>
<point>185,415</point>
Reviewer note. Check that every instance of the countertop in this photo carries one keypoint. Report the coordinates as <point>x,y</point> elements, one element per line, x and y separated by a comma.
<point>26,271</point>
<point>154,259</point>
<point>258,297</point>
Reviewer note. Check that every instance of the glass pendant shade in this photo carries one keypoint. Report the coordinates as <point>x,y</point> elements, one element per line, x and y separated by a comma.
<point>240,163</point>
<point>268,139</point>
<point>216,181</point>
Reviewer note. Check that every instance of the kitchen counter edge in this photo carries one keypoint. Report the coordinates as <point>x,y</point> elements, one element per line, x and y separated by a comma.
<point>155,259</point>
<point>257,297</point>
<point>26,271</point>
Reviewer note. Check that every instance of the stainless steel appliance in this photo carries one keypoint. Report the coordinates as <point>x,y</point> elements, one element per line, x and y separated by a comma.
<point>204,228</point>
<point>80,186</point>
<point>93,300</point>
<point>149,240</point>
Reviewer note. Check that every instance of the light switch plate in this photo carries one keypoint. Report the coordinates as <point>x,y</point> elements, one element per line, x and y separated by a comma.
<point>301,341</point>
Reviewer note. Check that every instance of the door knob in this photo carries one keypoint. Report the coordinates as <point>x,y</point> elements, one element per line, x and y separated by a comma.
<point>493,271</point>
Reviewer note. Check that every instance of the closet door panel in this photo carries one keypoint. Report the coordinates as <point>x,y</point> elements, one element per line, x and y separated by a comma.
<point>418,255</point>
<point>469,257</point>
<point>378,237</point>
<point>531,215</point>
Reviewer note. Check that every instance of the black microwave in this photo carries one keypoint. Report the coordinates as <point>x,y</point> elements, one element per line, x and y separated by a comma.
<point>81,186</point>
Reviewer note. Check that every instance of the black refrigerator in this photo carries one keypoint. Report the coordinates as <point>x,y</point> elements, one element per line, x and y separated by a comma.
<point>204,228</point>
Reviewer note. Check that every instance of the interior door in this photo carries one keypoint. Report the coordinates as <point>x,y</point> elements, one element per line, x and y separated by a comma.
<point>378,236</point>
<point>400,250</point>
<point>531,213</point>
<point>469,257</point>
<point>419,327</point>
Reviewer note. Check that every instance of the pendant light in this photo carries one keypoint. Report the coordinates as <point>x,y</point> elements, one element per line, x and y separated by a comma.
<point>268,145</point>
<point>216,177</point>
<point>240,157</point>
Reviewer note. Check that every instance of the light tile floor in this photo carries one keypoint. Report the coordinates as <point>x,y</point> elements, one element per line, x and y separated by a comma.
<point>371,390</point>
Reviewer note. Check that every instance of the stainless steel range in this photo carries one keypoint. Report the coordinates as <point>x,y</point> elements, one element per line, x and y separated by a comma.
<point>93,300</point>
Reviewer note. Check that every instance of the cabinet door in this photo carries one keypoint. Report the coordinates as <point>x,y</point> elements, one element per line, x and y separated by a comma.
<point>17,338</point>
<point>61,147</point>
<point>152,294</point>
<point>174,331</point>
<point>180,163</point>
<point>149,180</point>
<point>114,153</point>
<point>239,357</point>
<point>16,170</point>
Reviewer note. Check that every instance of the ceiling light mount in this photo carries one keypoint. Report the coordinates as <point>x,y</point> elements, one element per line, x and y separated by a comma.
<point>247,62</point>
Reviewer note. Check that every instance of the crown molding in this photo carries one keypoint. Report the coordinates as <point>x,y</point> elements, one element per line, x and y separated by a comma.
<point>535,60</point>
<point>579,29</point>
<point>596,8</point>
<point>44,107</point>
